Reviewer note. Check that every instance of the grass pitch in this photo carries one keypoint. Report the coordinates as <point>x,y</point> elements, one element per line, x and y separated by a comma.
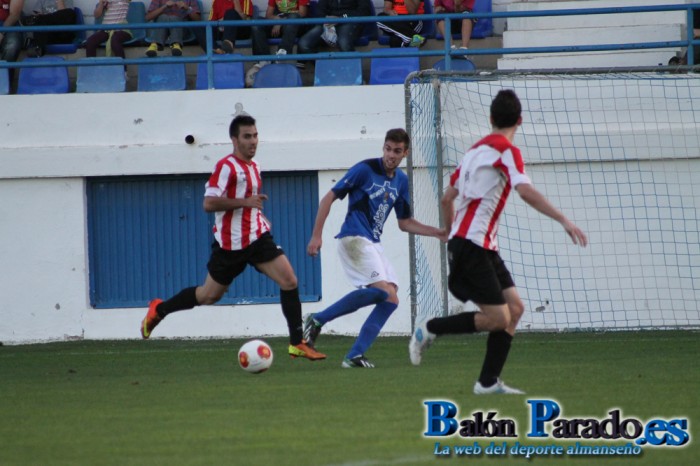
<point>187,402</point>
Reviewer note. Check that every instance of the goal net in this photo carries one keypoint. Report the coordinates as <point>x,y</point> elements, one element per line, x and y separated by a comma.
<point>618,153</point>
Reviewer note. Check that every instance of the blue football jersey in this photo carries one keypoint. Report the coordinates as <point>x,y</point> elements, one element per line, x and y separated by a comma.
<point>372,196</point>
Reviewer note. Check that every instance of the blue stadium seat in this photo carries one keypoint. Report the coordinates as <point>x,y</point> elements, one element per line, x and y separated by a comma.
<point>458,64</point>
<point>482,28</point>
<point>162,77</point>
<point>136,15</point>
<point>106,77</point>
<point>391,70</point>
<point>4,79</point>
<point>277,75</point>
<point>338,72</point>
<point>43,79</point>
<point>58,49</point>
<point>227,75</point>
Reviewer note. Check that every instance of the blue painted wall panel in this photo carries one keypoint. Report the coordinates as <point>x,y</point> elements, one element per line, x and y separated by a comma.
<point>149,237</point>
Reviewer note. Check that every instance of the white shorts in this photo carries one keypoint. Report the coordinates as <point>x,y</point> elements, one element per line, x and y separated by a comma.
<point>364,262</point>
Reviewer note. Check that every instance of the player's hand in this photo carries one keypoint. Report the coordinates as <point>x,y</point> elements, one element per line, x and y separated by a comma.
<point>576,234</point>
<point>314,246</point>
<point>256,201</point>
<point>444,235</point>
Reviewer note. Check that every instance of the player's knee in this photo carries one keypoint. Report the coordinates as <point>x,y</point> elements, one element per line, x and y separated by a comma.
<point>499,321</point>
<point>289,283</point>
<point>516,310</point>
<point>208,298</point>
<point>378,295</point>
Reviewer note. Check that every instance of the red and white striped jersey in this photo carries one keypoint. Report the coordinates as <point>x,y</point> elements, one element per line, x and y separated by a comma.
<point>236,179</point>
<point>484,179</point>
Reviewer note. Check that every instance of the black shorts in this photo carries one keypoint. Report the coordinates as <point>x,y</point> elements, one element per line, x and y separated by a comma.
<point>476,274</point>
<point>225,265</point>
<point>456,24</point>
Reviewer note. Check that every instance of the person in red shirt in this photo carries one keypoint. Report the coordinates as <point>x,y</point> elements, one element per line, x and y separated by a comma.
<point>403,33</point>
<point>463,26</point>
<point>241,238</point>
<point>10,42</point>
<point>280,9</point>
<point>230,10</point>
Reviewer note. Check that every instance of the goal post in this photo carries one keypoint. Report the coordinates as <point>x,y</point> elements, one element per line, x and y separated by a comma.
<point>617,152</point>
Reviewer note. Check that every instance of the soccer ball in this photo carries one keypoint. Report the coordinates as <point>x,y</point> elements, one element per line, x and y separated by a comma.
<point>255,356</point>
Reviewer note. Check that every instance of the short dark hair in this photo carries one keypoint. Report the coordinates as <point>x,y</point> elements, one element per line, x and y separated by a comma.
<point>505,109</point>
<point>236,123</point>
<point>398,135</point>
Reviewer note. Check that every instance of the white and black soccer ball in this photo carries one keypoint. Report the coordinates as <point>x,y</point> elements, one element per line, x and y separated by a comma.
<point>255,356</point>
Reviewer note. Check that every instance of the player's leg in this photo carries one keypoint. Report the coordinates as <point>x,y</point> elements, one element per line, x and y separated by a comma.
<point>358,257</point>
<point>380,269</point>
<point>274,264</point>
<point>208,293</point>
<point>500,338</point>
<point>351,302</point>
<point>372,326</point>
<point>223,267</point>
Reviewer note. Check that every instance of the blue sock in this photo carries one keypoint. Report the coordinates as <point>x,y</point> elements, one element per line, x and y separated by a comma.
<point>350,303</point>
<point>370,329</point>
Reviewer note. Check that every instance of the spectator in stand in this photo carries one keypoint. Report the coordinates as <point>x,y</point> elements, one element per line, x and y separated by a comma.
<point>280,9</point>
<point>10,42</point>
<point>112,12</point>
<point>50,13</point>
<point>229,10</point>
<point>464,26</point>
<point>342,35</point>
<point>277,9</point>
<point>403,33</point>
<point>170,11</point>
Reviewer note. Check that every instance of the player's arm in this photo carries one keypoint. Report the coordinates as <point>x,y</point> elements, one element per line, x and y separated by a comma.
<point>219,204</point>
<point>411,225</point>
<point>540,203</point>
<point>324,208</point>
<point>448,207</point>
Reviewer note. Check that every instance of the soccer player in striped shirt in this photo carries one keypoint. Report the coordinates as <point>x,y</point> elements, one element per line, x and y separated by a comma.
<point>242,237</point>
<point>473,204</point>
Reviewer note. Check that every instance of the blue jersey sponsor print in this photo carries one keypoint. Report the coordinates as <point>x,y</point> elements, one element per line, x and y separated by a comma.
<point>372,196</point>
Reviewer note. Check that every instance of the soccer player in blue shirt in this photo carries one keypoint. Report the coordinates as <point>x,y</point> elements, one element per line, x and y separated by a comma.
<point>374,187</point>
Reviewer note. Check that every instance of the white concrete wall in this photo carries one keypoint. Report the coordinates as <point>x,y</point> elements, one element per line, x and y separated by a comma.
<point>50,143</point>
<point>543,31</point>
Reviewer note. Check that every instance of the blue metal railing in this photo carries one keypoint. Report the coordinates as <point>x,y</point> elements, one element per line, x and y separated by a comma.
<point>446,52</point>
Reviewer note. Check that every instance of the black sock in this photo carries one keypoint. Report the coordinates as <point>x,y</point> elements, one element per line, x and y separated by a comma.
<point>185,299</point>
<point>291,308</point>
<point>497,348</point>
<point>458,323</point>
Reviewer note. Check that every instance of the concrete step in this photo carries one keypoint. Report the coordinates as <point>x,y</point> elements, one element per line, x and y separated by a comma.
<point>594,35</point>
<point>586,21</point>
<point>586,60</point>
